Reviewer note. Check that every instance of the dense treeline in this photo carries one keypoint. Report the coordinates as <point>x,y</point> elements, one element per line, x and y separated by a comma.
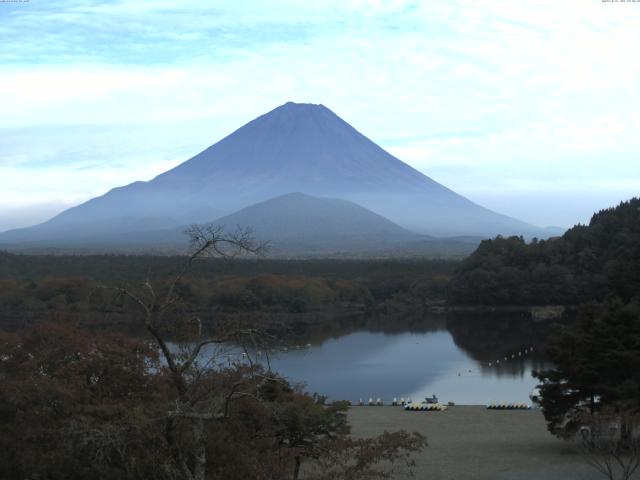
<point>110,268</point>
<point>77,287</point>
<point>588,263</point>
<point>294,293</point>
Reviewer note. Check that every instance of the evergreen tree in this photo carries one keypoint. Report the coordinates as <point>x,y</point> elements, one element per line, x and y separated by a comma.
<point>597,365</point>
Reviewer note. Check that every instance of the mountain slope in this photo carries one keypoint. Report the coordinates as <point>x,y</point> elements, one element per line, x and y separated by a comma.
<point>294,148</point>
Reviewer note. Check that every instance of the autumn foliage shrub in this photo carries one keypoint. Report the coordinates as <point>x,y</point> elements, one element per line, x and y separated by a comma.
<point>82,405</point>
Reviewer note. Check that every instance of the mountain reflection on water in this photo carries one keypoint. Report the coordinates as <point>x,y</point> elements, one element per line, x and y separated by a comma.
<point>459,358</point>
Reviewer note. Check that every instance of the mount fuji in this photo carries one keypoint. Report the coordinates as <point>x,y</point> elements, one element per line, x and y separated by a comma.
<point>303,148</point>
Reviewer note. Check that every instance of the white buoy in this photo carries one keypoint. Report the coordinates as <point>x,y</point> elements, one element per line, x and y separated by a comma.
<point>497,362</point>
<point>489,363</point>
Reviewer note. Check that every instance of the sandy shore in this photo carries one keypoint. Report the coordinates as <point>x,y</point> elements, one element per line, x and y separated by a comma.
<point>472,443</point>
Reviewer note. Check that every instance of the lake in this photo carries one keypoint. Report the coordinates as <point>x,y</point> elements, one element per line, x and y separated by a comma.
<point>466,362</point>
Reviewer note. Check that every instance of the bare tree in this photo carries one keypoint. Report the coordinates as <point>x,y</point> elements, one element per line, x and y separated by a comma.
<point>610,442</point>
<point>296,425</point>
<point>196,402</point>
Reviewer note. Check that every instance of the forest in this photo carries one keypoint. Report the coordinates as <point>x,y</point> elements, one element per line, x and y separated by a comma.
<point>77,287</point>
<point>588,263</point>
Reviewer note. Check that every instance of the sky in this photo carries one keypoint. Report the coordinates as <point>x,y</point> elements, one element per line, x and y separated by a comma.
<point>529,108</point>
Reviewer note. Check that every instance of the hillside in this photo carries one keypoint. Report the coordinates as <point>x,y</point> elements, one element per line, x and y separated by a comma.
<point>588,263</point>
<point>300,216</point>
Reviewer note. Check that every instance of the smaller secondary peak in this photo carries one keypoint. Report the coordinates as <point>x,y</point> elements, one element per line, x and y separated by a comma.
<point>295,195</point>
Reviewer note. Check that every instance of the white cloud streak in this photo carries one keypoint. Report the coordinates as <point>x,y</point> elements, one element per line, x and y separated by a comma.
<point>485,96</point>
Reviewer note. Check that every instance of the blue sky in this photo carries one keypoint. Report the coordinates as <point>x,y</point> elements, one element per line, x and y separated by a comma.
<point>529,108</point>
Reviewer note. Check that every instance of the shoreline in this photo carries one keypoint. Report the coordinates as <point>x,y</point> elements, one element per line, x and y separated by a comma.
<point>469,442</point>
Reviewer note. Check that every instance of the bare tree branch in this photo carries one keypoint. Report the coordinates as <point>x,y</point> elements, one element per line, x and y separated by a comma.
<point>205,240</point>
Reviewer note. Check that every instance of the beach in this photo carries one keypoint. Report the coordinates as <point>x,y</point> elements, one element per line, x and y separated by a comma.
<point>473,443</point>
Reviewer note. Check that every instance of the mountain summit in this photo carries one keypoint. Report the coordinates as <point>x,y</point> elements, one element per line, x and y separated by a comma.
<point>300,147</point>
<point>294,148</point>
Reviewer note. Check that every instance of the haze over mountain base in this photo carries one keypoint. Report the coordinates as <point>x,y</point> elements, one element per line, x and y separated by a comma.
<point>302,148</point>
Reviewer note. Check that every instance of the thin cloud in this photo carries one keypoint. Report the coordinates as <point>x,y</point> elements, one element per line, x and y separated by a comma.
<point>490,92</point>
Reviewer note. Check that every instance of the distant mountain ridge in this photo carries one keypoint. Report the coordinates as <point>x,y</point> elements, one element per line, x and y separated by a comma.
<point>294,148</point>
<point>294,225</point>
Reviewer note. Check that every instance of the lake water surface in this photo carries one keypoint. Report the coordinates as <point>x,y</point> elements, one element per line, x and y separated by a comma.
<point>477,361</point>
<point>375,364</point>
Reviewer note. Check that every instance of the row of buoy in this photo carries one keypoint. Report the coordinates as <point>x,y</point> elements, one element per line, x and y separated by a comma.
<point>513,356</point>
<point>259,353</point>
<point>425,407</point>
<point>296,347</point>
<point>508,406</point>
